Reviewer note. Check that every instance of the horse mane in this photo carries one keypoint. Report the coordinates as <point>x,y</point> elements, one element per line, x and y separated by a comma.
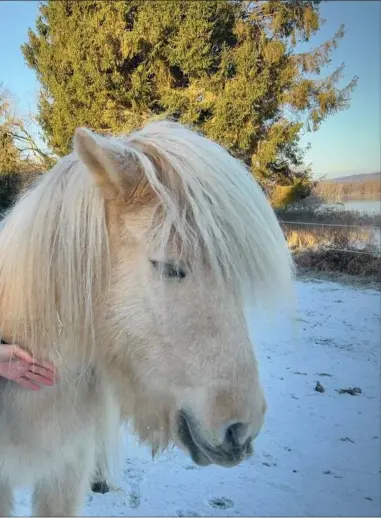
<point>53,260</point>
<point>54,256</point>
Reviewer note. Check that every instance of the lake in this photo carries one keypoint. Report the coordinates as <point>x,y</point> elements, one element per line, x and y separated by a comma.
<point>368,206</point>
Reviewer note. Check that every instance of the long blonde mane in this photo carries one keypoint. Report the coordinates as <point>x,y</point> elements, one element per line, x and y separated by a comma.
<point>53,261</point>
<point>54,256</point>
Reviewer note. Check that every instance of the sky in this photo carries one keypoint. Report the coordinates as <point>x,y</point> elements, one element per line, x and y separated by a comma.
<point>346,143</point>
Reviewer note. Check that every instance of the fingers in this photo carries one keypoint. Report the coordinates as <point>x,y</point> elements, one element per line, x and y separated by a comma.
<point>19,366</point>
<point>46,365</point>
<point>23,355</point>
<point>26,375</point>
<point>41,375</point>
<point>13,353</point>
<point>25,383</point>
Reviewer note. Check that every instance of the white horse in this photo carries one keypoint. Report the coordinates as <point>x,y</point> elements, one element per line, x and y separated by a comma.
<point>128,266</point>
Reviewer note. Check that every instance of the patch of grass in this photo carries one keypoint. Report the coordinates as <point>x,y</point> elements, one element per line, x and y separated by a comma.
<point>311,237</point>
<point>353,250</point>
<point>351,263</point>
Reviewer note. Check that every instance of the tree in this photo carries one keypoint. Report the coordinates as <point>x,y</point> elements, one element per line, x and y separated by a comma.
<point>10,158</point>
<point>230,68</point>
<point>19,151</point>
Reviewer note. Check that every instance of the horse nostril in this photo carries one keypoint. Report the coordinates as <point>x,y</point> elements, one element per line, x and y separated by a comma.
<point>235,435</point>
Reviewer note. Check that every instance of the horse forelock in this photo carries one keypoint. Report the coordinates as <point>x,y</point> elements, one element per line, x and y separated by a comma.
<point>210,202</point>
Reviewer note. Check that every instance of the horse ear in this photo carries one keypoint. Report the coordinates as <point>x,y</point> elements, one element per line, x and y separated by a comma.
<point>116,169</point>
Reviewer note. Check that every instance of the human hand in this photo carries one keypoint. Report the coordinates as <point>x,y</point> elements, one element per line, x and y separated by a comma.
<point>19,366</point>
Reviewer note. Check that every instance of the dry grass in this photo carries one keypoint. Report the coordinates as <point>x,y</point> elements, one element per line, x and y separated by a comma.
<point>351,263</point>
<point>331,240</point>
<point>353,251</point>
<point>311,237</point>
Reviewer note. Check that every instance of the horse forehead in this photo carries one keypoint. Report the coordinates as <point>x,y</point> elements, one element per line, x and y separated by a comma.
<point>133,218</point>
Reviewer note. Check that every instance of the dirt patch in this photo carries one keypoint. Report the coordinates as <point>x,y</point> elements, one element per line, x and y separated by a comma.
<point>221,503</point>
<point>352,391</point>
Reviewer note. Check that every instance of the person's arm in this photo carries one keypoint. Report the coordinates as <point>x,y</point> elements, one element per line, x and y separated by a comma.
<point>19,366</point>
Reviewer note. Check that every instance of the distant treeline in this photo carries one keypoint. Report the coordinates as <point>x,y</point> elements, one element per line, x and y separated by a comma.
<point>369,190</point>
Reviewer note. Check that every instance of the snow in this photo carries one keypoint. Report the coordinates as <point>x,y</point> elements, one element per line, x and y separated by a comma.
<point>319,453</point>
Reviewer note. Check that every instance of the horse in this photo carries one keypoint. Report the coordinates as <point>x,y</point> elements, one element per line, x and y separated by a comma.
<point>129,266</point>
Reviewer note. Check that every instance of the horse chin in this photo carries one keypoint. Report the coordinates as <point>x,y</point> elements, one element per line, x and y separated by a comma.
<point>186,443</point>
<point>202,453</point>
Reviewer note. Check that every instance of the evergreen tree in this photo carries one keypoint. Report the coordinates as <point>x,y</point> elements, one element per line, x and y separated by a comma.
<point>229,68</point>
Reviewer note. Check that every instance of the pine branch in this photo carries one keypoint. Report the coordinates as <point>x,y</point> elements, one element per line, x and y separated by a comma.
<point>313,61</point>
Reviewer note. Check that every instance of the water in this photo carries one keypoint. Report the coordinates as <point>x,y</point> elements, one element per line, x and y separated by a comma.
<point>368,206</point>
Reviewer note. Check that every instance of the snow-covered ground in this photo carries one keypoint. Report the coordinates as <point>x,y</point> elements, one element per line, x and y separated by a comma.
<point>319,453</point>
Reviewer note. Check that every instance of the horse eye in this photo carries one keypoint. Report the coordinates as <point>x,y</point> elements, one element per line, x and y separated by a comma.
<point>169,270</point>
<point>173,271</point>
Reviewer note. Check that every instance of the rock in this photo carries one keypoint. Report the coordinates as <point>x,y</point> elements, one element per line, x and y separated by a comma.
<point>319,387</point>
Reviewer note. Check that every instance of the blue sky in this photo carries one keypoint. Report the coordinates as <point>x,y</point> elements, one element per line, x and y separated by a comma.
<point>346,143</point>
